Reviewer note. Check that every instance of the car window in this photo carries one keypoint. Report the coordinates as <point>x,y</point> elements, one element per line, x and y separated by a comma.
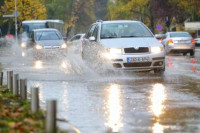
<point>121,30</point>
<point>77,37</point>
<point>180,34</point>
<point>89,33</point>
<point>47,35</point>
<point>95,32</point>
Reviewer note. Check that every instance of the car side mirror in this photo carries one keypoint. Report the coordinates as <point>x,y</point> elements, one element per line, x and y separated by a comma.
<point>92,38</point>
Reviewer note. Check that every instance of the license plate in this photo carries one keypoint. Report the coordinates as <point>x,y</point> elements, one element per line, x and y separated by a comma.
<point>138,59</point>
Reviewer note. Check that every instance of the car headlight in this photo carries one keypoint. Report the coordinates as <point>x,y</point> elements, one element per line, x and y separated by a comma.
<point>115,50</point>
<point>64,45</point>
<point>156,50</point>
<point>38,46</point>
<point>23,44</point>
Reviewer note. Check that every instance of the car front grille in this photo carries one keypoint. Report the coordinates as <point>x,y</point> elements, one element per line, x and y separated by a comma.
<point>138,50</point>
<point>51,47</point>
<point>138,64</point>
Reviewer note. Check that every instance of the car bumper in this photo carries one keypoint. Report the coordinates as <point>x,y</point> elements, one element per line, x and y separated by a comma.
<point>156,61</point>
<point>49,52</point>
<point>181,48</point>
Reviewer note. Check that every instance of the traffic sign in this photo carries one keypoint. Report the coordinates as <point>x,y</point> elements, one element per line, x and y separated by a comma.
<point>8,16</point>
<point>12,15</point>
<point>159,27</point>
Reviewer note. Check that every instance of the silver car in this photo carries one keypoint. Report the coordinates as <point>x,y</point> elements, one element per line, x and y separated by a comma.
<point>127,44</point>
<point>179,42</point>
<point>45,41</point>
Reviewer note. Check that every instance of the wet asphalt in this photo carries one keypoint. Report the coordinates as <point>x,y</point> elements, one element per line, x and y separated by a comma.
<point>96,101</point>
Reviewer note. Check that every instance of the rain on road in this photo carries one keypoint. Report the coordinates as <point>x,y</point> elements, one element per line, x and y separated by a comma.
<point>120,102</point>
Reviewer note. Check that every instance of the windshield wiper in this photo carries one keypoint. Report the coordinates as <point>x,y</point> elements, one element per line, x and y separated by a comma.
<point>109,37</point>
<point>129,36</point>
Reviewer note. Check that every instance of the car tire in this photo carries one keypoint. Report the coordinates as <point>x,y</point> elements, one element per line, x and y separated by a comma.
<point>184,54</point>
<point>159,71</point>
<point>192,53</point>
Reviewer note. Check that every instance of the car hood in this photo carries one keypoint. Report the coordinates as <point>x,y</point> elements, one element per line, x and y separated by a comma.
<point>130,42</point>
<point>50,42</point>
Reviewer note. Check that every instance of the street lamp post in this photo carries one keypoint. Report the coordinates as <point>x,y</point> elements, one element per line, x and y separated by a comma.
<point>16,21</point>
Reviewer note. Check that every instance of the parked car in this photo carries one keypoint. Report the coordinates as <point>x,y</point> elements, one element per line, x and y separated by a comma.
<point>179,42</point>
<point>47,40</point>
<point>127,44</point>
<point>76,41</point>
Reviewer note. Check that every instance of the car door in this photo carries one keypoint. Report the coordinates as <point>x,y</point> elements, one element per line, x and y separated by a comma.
<point>87,43</point>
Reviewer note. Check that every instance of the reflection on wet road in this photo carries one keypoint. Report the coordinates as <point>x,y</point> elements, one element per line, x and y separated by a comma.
<point>114,108</point>
<point>158,97</point>
<point>119,102</point>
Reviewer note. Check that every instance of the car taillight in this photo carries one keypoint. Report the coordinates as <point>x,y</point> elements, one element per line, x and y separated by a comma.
<point>170,41</point>
<point>193,41</point>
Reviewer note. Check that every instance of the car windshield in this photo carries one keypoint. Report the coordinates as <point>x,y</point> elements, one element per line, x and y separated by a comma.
<point>124,30</point>
<point>47,35</point>
<point>180,34</point>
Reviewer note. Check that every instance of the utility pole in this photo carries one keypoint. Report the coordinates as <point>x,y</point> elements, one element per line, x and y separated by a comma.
<point>16,38</point>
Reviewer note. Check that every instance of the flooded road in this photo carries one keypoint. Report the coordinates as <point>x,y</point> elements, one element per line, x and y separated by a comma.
<point>115,102</point>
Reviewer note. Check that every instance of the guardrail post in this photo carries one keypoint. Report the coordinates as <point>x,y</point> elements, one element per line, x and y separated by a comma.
<point>51,116</point>
<point>1,78</point>
<point>23,89</point>
<point>9,79</point>
<point>34,99</point>
<point>15,85</point>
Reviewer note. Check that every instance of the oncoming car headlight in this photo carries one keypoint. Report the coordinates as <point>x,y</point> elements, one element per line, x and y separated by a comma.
<point>23,44</point>
<point>64,45</point>
<point>112,53</point>
<point>115,50</point>
<point>156,50</point>
<point>38,46</point>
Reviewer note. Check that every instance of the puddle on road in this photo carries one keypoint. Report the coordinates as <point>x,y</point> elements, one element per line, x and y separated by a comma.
<point>97,102</point>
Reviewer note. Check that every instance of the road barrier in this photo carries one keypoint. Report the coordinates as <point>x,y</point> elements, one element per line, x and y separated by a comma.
<point>51,116</point>
<point>23,89</point>
<point>34,100</point>
<point>9,79</point>
<point>18,87</point>
<point>1,78</point>
<point>15,85</point>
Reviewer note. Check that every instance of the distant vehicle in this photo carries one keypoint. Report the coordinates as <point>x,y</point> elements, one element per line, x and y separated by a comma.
<point>179,42</point>
<point>77,38</point>
<point>197,42</point>
<point>45,41</point>
<point>127,44</point>
<point>29,25</point>
<point>76,41</point>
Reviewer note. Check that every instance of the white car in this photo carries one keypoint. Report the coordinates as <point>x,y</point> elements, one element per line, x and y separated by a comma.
<point>129,45</point>
<point>76,42</point>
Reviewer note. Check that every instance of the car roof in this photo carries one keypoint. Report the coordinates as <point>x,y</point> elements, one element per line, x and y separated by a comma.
<point>41,21</point>
<point>119,21</point>
<point>45,29</point>
<point>178,32</point>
